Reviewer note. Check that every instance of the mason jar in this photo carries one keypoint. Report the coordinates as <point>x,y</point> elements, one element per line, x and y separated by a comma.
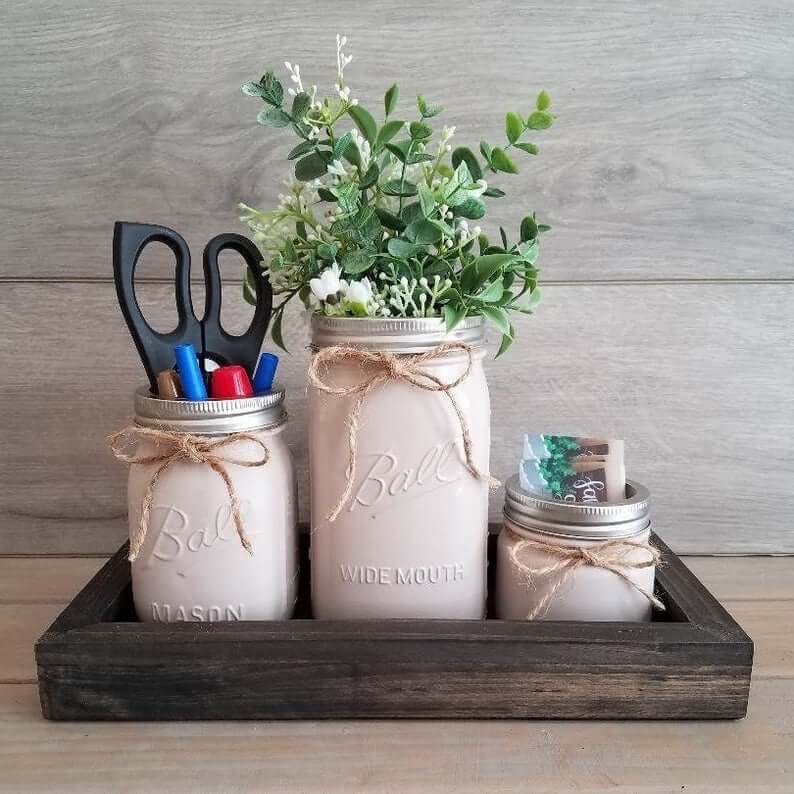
<point>409,539</point>
<point>542,574</point>
<point>192,565</point>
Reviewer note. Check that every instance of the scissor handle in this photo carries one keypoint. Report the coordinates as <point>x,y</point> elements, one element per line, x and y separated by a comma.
<point>156,349</point>
<point>220,345</point>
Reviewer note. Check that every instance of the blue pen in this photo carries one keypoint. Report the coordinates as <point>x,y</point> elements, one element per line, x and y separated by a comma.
<point>189,373</point>
<point>265,372</point>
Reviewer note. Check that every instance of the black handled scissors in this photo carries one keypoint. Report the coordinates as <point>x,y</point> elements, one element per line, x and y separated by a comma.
<point>206,335</point>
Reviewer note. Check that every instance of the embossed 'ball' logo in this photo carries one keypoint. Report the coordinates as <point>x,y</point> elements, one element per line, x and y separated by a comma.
<point>387,477</point>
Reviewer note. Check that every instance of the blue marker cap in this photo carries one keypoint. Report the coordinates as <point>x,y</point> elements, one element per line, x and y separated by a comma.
<point>190,373</point>
<point>265,372</point>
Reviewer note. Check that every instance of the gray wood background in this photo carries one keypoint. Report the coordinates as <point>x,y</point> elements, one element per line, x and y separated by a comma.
<point>669,180</point>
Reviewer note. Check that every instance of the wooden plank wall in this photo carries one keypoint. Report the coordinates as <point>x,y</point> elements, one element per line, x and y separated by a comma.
<point>669,180</point>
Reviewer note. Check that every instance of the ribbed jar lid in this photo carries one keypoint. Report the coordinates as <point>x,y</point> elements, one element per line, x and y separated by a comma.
<point>600,520</point>
<point>394,334</point>
<point>211,417</point>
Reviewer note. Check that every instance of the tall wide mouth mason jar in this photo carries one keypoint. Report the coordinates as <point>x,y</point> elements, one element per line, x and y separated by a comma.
<point>192,565</point>
<point>536,577</point>
<point>399,515</point>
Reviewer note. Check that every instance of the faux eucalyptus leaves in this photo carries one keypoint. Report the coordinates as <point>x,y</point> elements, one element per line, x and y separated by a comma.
<point>379,219</point>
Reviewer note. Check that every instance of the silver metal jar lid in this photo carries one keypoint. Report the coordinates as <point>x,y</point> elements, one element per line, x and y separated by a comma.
<point>211,417</point>
<point>586,521</point>
<point>394,334</point>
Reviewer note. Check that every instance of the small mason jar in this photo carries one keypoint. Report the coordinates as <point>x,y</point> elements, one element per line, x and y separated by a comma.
<point>542,573</point>
<point>410,539</point>
<point>192,565</point>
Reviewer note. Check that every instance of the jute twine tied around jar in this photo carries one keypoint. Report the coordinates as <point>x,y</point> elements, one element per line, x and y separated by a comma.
<point>609,555</point>
<point>186,448</point>
<point>390,367</point>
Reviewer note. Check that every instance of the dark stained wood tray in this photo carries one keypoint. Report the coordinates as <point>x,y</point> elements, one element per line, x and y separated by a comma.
<point>96,662</point>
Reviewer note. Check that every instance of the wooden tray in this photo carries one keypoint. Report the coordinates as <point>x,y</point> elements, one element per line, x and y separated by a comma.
<point>96,662</point>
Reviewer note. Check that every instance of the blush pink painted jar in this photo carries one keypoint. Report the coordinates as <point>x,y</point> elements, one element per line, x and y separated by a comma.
<point>411,540</point>
<point>591,593</point>
<point>192,566</point>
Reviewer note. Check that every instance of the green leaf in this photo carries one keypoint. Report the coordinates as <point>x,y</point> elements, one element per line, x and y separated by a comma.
<point>532,303</point>
<point>453,315</point>
<point>455,191</point>
<point>366,226</point>
<point>347,193</point>
<point>530,255</point>
<point>499,318</point>
<point>402,249</point>
<point>268,88</point>
<point>492,293</point>
<point>389,220</point>
<point>370,177</point>
<point>501,162</point>
<point>364,121</point>
<point>543,102</point>
<point>540,120</point>
<point>487,150</point>
<point>507,340</point>
<point>356,262</point>
<point>397,151</point>
<point>423,232</point>
<point>275,331</point>
<point>543,227</point>
<point>249,288</point>
<point>352,154</point>
<point>301,148</point>
<point>252,88</point>
<point>300,105</point>
<point>273,117</point>
<point>412,212</point>
<point>427,111</point>
<point>426,200</point>
<point>443,226</point>
<point>465,155</point>
<point>529,229</point>
<point>310,167</point>
<point>387,132</point>
<point>419,131</point>
<point>403,151</point>
<point>340,147</point>
<point>272,89</point>
<point>514,127</point>
<point>325,194</point>
<point>485,267</point>
<point>394,187</point>
<point>391,98</point>
<point>327,251</point>
<point>412,158</point>
<point>471,208</point>
<point>529,148</point>
<point>494,192</point>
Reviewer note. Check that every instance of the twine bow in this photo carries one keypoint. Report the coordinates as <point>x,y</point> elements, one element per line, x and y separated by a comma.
<point>610,555</point>
<point>190,449</point>
<point>390,367</point>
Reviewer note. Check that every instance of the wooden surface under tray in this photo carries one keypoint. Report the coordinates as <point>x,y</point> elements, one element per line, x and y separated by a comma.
<point>96,662</point>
